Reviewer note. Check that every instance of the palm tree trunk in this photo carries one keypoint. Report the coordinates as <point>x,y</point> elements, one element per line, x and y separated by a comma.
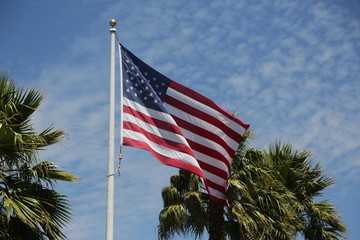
<point>216,222</point>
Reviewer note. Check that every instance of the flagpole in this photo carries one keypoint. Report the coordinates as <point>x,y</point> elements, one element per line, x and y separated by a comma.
<point>110,176</point>
<point>121,103</point>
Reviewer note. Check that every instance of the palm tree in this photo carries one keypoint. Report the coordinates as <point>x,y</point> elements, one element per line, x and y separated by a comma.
<point>260,204</point>
<point>265,205</point>
<point>319,219</point>
<point>30,208</point>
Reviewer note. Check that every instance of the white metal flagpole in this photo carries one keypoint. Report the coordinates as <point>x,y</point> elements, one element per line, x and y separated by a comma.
<point>110,176</point>
<point>121,103</point>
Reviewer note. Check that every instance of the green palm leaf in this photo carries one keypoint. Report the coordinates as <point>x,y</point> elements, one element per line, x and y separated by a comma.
<point>272,193</point>
<point>30,207</point>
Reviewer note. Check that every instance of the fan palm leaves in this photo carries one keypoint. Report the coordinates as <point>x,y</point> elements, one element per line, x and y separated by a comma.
<point>30,208</point>
<point>319,219</point>
<point>184,203</point>
<point>261,204</point>
<point>272,195</point>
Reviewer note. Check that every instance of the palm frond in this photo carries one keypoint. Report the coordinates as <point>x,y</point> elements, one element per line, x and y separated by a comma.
<point>171,196</point>
<point>172,221</point>
<point>323,222</point>
<point>47,172</point>
<point>272,195</point>
<point>29,204</point>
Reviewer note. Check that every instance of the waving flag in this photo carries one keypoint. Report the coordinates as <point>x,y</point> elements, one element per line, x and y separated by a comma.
<point>180,127</point>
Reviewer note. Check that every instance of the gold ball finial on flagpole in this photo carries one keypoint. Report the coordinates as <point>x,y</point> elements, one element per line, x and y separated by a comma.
<point>112,22</point>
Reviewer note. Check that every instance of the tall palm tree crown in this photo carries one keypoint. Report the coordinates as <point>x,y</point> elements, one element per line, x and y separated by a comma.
<point>30,208</point>
<point>306,181</point>
<point>272,196</point>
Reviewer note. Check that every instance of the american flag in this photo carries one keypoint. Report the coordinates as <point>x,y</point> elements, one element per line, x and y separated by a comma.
<point>180,127</point>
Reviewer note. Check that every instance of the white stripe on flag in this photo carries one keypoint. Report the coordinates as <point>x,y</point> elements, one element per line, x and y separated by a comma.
<point>149,112</point>
<point>211,161</point>
<point>161,149</point>
<point>216,193</point>
<point>206,142</point>
<point>203,124</point>
<point>214,178</point>
<point>155,130</point>
<point>206,109</point>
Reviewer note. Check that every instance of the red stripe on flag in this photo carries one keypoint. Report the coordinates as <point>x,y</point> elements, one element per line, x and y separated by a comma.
<point>204,133</point>
<point>200,98</point>
<point>164,159</point>
<point>208,151</point>
<point>215,186</point>
<point>159,140</point>
<point>214,170</point>
<point>153,121</point>
<point>203,116</point>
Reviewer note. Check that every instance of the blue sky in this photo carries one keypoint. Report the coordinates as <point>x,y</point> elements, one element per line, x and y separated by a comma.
<point>289,68</point>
